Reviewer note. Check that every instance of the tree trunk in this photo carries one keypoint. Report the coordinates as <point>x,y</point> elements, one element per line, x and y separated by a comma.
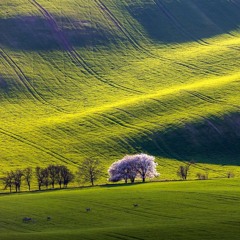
<point>143,179</point>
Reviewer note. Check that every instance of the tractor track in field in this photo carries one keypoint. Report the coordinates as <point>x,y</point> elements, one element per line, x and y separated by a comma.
<point>116,121</point>
<point>77,58</point>
<point>21,76</point>
<point>209,99</point>
<point>123,236</point>
<point>36,146</point>
<point>176,23</point>
<point>106,11</point>
<point>24,80</point>
<point>150,135</point>
<point>136,117</point>
<point>111,16</point>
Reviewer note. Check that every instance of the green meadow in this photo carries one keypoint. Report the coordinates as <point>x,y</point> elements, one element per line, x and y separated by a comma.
<point>169,210</point>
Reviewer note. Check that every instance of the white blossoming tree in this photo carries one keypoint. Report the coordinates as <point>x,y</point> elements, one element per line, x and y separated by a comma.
<point>132,166</point>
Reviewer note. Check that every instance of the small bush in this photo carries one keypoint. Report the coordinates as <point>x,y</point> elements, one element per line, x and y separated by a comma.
<point>202,176</point>
<point>230,175</point>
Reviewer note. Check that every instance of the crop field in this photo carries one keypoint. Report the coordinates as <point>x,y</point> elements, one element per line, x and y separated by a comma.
<point>105,78</point>
<point>170,210</point>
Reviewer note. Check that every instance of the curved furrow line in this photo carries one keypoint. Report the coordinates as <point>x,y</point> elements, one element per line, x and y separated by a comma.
<point>203,97</point>
<point>123,236</point>
<point>145,132</point>
<point>209,99</point>
<point>37,146</point>
<point>20,74</point>
<point>161,145</point>
<point>24,80</point>
<point>125,32</point>
<point>148,134</point>
<point>137,117</point>
<point>137,46</point>
<point>77,58</point>
<point>189,66</point>
<point>176,23</point>
<point>118,122</point>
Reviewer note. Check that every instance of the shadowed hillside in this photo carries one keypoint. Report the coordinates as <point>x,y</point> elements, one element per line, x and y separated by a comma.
<point>105,78</point>
<point>183,21</point>
<point>210,140</point>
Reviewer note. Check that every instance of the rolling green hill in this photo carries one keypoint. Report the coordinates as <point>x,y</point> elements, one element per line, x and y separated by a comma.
<point>178,210</point>
<point>104,78</point>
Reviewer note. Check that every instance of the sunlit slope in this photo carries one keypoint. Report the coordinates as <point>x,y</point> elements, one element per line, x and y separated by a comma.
<point>106,78</point>
<point>177,210</point>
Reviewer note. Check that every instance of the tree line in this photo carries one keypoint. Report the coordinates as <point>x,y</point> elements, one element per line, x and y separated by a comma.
<point>49,176</point>
<point>90,170</point>
<point>129,168</point>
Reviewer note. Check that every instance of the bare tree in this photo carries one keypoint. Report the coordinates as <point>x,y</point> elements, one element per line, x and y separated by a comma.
<point>8,181</point>
<point>45,174</point>
<point>40,177</point>
<point>17,179</point>
<point>184,170</point>
<point>27,174</point>
<point>59,177</point>
<point>53,174</point>
<point>90,170</point>
<point>65,176</point>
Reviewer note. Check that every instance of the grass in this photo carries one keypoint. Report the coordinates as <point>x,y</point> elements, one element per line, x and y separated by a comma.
<point>120,77</point>
<point>171,210</point>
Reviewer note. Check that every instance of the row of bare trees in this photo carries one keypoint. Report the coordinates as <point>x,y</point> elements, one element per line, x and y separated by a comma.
<point>52,175</point>
<point>13,179</point>
<point>49,176</point>
<point>90,170</point>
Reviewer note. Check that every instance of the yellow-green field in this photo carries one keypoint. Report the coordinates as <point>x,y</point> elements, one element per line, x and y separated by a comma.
<point>105,78</point>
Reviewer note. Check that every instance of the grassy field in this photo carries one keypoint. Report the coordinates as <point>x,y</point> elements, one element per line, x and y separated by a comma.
<point>105,78</point>
<point>169,210</point>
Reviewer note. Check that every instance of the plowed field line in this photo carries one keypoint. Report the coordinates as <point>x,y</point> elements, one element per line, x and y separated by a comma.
<point>126,33</point>
<point>24,80</point>
<point>77,58</point>
<point>175,22</point>
<point>20,74</point>
<point>111,16</point>
<point>37,146</point>
<point>210,99</point>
